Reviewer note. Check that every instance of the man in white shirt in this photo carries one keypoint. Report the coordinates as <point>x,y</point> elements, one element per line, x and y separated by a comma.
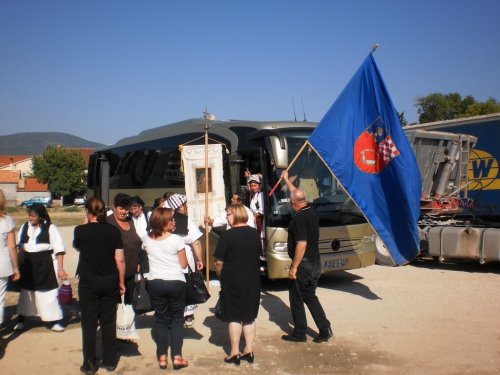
<point>221,220</point>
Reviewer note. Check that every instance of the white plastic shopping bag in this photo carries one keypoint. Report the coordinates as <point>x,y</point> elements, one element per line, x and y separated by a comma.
<point>125,322</point>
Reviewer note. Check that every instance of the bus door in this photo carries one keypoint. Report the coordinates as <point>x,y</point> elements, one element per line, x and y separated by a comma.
<point>101,189</point>
<point>248,161</point>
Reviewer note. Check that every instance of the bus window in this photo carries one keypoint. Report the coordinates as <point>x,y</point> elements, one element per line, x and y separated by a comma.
<point>323,192</point>
<point>163,169</point>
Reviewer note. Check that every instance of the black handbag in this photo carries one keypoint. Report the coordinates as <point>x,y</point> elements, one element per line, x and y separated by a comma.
<point>141,301</point>
<point>196,289</point>
<point>219,309</point>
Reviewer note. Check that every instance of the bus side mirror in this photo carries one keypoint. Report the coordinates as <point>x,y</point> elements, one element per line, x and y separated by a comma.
<point>280,155</point>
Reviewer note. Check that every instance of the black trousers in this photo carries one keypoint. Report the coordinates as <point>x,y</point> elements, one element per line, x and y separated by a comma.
<point>168,298</point>
<point>303,291</point>
<point>98,296</point>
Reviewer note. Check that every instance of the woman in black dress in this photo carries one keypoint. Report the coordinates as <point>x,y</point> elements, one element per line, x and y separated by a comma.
<point>101,268</point>
<point>237,263</point>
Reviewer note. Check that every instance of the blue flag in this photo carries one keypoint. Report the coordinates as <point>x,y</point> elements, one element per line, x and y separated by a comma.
<point>362,142</point>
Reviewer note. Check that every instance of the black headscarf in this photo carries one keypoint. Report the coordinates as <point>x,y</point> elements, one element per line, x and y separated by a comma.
<point>41,212</point>
<point>136,201</point>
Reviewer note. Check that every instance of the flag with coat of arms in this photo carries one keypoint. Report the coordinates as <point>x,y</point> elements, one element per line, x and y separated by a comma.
<point>362,142</point>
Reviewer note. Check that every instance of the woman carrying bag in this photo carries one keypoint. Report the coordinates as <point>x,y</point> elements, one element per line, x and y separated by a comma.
<point>101,268</point>
<point>167,285</point>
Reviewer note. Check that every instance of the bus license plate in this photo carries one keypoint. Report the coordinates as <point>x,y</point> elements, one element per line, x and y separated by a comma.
<point>335,263</point>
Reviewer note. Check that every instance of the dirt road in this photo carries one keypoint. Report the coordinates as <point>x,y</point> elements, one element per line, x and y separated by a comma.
<point>424,318</point>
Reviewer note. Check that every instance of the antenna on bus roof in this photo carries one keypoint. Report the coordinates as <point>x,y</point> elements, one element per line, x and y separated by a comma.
<point>303,109</point>
<point>293,103</point>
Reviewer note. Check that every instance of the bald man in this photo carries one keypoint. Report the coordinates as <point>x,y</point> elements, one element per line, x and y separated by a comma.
<point>303,249</point>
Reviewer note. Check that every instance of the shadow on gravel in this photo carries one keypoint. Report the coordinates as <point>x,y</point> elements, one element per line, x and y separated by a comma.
<point>346,282</point>
<point>219,335</point>
<point>457,266</point>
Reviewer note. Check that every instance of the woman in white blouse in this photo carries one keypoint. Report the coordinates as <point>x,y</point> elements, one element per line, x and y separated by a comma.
<point>167,285</point>
<point>8,253</point>
<point>41,253</point>
<point>178,203</point>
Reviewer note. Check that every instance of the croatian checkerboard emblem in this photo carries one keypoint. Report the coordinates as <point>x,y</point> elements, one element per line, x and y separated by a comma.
<point>374,149</point>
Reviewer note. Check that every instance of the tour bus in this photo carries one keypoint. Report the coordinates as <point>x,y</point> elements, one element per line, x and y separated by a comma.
<point>149,165</point>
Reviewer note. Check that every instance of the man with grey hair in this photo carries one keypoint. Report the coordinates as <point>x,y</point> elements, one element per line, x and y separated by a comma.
<point>305,270</point>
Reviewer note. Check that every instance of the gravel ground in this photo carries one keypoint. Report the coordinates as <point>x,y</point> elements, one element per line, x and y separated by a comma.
<point>426,317</point>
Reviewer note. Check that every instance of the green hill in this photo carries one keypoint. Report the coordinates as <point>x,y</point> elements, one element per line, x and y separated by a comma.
<point>35,143</point>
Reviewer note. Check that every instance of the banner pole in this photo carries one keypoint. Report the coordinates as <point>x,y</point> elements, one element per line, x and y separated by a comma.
<point>289,166</point>
<point>207,180</point>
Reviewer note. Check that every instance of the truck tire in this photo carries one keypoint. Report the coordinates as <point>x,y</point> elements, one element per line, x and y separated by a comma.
<point>383,256</point>
<point>24,206</point>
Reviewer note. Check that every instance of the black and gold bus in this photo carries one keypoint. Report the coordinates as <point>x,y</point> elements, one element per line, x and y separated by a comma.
<point>149,164</point>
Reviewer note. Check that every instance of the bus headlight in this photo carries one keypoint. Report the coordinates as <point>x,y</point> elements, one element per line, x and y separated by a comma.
<point>369,239</point>
<point>280,247</point>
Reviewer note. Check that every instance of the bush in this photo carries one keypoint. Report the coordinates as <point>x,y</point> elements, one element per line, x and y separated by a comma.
<point>72,209</point>
<point>11,210</point>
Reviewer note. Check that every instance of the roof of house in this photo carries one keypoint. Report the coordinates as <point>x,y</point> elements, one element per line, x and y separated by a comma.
<point>5,160</point>
<point>31,184</point>
<point>85,151</point>
<point>10,176</point>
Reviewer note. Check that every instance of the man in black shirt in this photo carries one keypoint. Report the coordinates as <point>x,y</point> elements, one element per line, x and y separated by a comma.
<point>303,249</point>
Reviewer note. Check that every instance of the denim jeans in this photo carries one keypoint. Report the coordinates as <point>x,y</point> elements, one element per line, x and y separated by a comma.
<point>168,298</point>
<point>303,290</point>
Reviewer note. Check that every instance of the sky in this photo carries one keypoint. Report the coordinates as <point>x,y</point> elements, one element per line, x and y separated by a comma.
<point>105,70</point>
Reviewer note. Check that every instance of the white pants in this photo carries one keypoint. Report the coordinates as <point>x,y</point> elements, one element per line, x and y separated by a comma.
<point>3,291</point>
<point>40,303</point>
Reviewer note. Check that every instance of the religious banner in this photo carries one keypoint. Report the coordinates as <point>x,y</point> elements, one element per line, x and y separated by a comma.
<point>193,160</point>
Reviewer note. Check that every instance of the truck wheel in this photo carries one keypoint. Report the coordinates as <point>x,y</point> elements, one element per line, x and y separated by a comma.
<point>383,256</point>
<point>24,206</point>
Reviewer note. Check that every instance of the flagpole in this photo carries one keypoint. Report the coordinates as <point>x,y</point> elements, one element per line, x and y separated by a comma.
<point>289,166</point>
<point>207,246</point>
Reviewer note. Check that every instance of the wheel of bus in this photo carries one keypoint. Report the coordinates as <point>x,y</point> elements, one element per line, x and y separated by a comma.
<point>383,256</point>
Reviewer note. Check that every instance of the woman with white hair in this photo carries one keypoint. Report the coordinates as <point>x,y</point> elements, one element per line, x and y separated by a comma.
<point>178,202</point>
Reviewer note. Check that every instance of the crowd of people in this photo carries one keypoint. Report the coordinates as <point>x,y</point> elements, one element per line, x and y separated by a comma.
<point>126,244</point>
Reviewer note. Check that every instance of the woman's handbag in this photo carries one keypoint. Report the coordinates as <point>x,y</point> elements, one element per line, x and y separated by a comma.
<point>219,309</point>
<point>125,322</point>
<point>196,289</point>
<point>140,300</point>
<point>65,294</point>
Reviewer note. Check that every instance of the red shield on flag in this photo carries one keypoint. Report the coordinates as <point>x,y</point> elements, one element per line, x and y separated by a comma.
<point>374,149</point>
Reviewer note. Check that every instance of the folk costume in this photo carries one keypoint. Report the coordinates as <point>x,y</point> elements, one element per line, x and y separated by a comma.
<point>39,286</point>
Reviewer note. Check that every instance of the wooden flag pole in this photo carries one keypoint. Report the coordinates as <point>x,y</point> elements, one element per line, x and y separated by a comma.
<point>289,166</point>
<point>207,242</point>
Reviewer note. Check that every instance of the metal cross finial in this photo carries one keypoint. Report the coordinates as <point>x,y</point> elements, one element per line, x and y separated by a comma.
<point>205,116</point>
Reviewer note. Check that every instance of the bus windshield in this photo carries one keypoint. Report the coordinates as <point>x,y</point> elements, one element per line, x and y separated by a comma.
<point>322,190</point>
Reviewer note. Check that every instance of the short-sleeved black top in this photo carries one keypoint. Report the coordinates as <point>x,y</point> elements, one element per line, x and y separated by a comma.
<point>97,243</point>
<point>304,227</point>
<point>240,277</point>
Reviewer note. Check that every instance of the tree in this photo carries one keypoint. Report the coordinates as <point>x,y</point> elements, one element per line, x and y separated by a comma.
<point>440,107</point>
<point>63,169</point>
<point>477,109</point>
<point>402,119</point>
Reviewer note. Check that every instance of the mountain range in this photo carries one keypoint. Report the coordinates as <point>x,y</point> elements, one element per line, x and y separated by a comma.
<point>34,143</point>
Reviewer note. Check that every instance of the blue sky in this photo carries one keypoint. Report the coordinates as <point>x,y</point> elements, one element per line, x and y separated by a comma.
<point>105,70</point>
